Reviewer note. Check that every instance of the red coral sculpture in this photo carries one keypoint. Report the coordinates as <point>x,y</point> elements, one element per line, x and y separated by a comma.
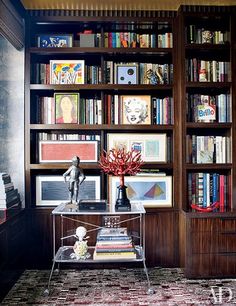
<point>119,162</point>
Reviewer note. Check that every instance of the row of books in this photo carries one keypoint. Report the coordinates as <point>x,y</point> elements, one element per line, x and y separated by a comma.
<point>138,73</point>
<point>199,35</point>
<point>198,70</point>
<point>209,190</point>
<point>10,201</point>
<point>90,111</point>
<point>59,136</point>
<point>128,109</point>
<point>136,40</point>
<point>206,108</point>
<point>114,243</point>
<point>208,149</point>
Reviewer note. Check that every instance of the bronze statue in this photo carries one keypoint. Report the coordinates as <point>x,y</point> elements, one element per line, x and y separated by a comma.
<point>74,173</point>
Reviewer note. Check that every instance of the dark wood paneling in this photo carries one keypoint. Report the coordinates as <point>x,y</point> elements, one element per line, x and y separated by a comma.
<point>162,239</point>
<point>11,24</point>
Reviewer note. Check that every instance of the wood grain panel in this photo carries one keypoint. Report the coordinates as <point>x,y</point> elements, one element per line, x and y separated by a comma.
<point>162,239</point>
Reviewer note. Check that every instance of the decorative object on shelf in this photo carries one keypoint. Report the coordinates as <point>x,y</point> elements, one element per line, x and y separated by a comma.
<point>81,245</point>
<point>214,207</point>
<point>55,41</point>
<point>151,146</point>
<point>66,71</point>
<point>136,109</point>
<point>126,73</point>
<point>75,172</point>
<point>66,107</point>
<point>119,162</point>
<point>151,190</point>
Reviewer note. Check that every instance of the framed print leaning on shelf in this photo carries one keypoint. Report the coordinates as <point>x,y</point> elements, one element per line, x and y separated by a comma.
<point>126,73</point>
<point>57,151</point>
<point>52,190</point>
<point>66,107</point>
<point>152,146</point>
<point>54,41</point>
<point>152,191</point>
<point>66,71</point>
<point>136,109</point>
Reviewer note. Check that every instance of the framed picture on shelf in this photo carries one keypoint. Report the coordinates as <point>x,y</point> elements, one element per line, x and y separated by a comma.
<point>136,109</point>
<point>54,40</point>
<point>126,73</point>
<point>63,151</point>
<point>66,107</point>
<point>153,147</point>
<point>152,191</point>
<point>52,190</point>
<point>66,71</point>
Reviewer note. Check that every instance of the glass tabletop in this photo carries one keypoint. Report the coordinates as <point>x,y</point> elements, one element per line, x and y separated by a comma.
<point>73,209</point>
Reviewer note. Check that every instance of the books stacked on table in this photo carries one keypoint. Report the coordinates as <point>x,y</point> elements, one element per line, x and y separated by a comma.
<point>114,243</point>
<point>9,197</point>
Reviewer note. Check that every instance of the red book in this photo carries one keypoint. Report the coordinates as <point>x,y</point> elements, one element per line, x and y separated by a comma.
<point>222,196</point>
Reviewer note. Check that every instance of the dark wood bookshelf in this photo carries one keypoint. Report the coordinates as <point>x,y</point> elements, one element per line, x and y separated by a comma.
<point>174,235</point>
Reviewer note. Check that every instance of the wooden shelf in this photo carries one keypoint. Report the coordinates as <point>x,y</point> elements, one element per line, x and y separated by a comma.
<point>214,167</point>
<point>208,85</point>
<point>97,127</point>
<point>207,47</point>
<point>141,87</point>
<point>96,50</point>
<point>55,166</point>
<point>208,125</point>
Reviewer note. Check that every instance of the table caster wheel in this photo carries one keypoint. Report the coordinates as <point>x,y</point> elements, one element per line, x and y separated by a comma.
<point>150,291</point>
<point>46,292</point>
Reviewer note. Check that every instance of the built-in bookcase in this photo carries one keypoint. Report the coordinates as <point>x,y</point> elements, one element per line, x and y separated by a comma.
<point>190,99</point>
<point>125,63</point>
<point>207,219</point>
<point>208,108</point>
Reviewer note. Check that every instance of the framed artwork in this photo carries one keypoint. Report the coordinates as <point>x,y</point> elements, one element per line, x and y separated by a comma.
<point>54,41</point>
<point>63,151</point>
<point>126,73</point>
<point>151,146</point>
<point>66,71</point>
<point>66,107</point>
<point>136,109</point>
<point>152,191</point>
<point>52,190</point>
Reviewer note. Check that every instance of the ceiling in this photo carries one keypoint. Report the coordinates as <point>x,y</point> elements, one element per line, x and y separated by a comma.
<point>118,4</point>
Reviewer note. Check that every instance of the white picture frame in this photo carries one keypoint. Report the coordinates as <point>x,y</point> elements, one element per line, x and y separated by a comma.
<point>151,191</point>
<point>153,147</point>
<point>51,190</point>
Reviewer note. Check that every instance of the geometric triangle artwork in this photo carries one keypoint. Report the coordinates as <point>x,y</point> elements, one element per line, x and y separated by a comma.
<point>154,192</point>
<point>131,193</point>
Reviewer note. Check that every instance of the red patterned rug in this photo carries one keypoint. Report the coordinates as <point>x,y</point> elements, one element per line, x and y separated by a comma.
<point>121,287</point>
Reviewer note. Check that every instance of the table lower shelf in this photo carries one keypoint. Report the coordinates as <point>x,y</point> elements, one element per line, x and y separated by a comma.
<point>64,255</point>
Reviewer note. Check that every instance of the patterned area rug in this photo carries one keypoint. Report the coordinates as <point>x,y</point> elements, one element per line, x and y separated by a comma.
<point>119,287</point>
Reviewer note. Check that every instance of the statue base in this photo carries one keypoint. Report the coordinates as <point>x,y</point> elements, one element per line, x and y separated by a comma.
<point>122,202</point>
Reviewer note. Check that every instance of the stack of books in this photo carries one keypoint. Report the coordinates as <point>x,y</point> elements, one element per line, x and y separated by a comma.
<point>9,196</point>
<point>114,243</point>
